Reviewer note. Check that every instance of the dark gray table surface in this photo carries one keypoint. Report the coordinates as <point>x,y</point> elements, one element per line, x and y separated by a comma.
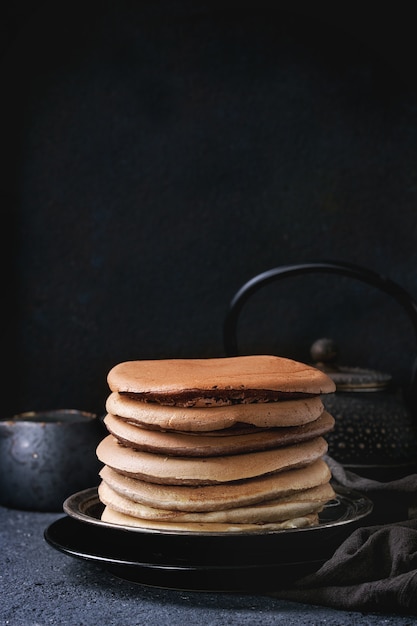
<point>40,585</point>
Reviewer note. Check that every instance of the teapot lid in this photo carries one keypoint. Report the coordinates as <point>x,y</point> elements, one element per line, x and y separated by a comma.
<point>324,353</point>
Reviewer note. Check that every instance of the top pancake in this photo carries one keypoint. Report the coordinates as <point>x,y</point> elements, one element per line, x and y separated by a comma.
<point>218,381</point>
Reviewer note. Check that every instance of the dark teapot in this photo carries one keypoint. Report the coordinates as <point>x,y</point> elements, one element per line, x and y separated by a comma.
<point>375,433</point>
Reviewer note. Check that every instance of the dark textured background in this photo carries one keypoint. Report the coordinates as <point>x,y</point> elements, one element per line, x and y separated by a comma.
<point>157,155</point>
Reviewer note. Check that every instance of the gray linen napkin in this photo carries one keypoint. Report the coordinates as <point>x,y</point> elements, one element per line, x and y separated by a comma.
<point>375,568</point>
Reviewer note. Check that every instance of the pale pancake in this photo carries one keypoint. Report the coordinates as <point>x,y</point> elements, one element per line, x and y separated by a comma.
<point>164,469</point>
<point>215,381</point>
<point>210,444</point>
<point>197,419</point>
<point>220,496</point>
<point>115,517</point>
<point>297,505</point>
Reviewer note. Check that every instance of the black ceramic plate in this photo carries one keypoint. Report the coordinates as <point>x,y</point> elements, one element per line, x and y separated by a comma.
<point>205,561</point>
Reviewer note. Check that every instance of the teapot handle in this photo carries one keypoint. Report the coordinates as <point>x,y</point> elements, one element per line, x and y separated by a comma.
<point>331,267</point>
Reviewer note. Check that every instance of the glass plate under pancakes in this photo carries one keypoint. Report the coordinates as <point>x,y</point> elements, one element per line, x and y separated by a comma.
<point>250,561</point>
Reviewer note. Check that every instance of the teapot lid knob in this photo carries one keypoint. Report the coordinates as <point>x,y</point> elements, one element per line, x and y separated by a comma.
<point>325,352</point>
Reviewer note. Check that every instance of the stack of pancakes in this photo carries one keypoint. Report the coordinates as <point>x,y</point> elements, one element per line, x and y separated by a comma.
<point>215,445</point>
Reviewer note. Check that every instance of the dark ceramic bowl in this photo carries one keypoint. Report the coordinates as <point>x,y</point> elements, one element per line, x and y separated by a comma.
<point>47,456</point>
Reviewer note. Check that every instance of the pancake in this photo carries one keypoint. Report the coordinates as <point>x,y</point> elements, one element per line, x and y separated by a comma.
<point>197,419</point>
<point>115,517</point>
<point>211,444</point>
<point>182,470</point>
<point>302,503</point>
<point>220,496</point>
<point>232,444</point>
<point>218,381</point>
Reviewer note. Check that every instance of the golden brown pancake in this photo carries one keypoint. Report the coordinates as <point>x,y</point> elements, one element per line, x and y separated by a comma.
<point>288,507</point>
<point>218,381</point>
<point>159,468</point>
<point>115,517</point>
<point>211,444</point>
<point>222,495</point>
<point>201,419</point>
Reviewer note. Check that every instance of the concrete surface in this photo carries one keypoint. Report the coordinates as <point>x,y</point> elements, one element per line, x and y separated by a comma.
<point>40,586</point>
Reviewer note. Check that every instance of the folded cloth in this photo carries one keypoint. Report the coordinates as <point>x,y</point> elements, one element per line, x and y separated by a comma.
<point>375,568</point>
<point>393,501</point>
